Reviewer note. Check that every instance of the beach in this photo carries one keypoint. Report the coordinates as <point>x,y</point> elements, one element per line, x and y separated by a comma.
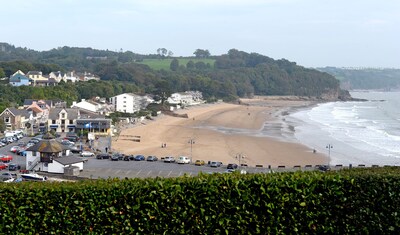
<point>221,132</point>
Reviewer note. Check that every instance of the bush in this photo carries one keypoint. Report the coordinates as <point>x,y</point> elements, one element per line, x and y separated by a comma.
<point>347,202</point>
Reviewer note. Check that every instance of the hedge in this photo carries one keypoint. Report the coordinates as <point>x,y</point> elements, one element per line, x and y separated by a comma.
<point>358,201</point>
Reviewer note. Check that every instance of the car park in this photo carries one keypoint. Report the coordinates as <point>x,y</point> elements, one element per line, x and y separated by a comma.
<point>183,160</point>
<point>232,166</point>
<point>152,158</point>
<point>139,158</point>
<point>103,156</point>
<point>199,162</point>
<point>169,159</point>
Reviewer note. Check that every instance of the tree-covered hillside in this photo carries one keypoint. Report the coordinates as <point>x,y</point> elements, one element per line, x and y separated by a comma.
<point>232,75</point>
<point>365,79</point>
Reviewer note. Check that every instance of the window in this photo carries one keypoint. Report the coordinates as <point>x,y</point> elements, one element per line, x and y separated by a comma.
<point>7,120</point>
<point>34,153</point>
<point>62,115</point>
<point>124,101</point>
<point>71,121</point>
<point>53,121</point>
<point>62,122</point>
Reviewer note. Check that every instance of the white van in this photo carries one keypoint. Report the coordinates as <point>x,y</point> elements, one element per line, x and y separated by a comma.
<point>183,160</point>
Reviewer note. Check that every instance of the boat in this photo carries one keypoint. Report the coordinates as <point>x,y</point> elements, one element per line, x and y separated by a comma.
<point>33,177</point>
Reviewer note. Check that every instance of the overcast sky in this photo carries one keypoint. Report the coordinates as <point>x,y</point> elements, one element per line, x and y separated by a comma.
<point>312,33</point>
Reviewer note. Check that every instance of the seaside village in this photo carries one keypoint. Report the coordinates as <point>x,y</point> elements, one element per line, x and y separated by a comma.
<point>87,119</point>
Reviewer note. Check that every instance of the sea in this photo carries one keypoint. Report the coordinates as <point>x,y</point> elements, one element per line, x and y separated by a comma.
<point>352,132</point>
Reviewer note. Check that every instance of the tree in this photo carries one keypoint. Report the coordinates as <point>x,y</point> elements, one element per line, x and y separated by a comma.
<point>200,53</point>
<point>162,52</point>
<point>174,65</point>
<point>170,53</point>
<point>190,65</point>
<point>2,74</point>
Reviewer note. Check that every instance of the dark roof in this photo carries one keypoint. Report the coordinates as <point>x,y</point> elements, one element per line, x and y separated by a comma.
<point>47,146</point>
<point>68,160</point>
<point>34,73</point>
<point>72,113</point>
<point>48,136</point>
<point>28,102</point>
<point>20,112</point>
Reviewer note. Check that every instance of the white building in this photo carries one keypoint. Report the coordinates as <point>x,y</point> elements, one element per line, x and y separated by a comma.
<point>186,98</point>
<point>50,156</point>
<point>129,102</point>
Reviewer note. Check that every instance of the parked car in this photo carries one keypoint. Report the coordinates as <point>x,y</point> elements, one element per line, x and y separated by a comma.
<point>103,156</point>
<point>3,166</point>
<point>232,166</point>
<point>215,164</point>
<point>183,160</point>
<point>14,149</point>
<point>5,158</point>
<point>324,168</point>
<point>169,159</point>
<point>199,162</point>
<point>14,167</point>
<point>127,157</point>
<point>139,158</point>
<point>87,154</point>
<point>114,157</point>
<point>152,158</point>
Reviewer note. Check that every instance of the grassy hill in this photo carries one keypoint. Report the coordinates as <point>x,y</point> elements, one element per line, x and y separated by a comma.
<point>158,64</point>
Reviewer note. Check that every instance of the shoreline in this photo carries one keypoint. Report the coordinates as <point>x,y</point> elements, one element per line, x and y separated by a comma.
<point>210,128</point>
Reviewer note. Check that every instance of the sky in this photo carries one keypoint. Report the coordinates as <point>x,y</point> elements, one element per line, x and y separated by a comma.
<point>312,33</point>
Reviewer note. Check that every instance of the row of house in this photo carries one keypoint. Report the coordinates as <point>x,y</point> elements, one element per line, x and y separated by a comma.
<point>36,78</point>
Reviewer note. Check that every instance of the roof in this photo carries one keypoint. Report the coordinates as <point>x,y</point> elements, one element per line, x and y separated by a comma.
<point>34,73</point>
<point>18,77</point>
<point>47,146</point>
<point>28,102</point>
<point>20,112</point>
<point>68,160</point>
<point>72,113</point>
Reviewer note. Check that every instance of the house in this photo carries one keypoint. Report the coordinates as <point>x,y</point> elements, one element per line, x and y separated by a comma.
<point>129,102</point>
<point>46,104</point>
<point>37,78</point>
<point>19,79</point>
<point>58,76</point>
<point>16,118</point>
<point>48,155</point>
<point>84,77</point>
<point>62,119</point>
<point>93,105</point>
<point>186,98</point>
<point>76,120</point>
<point>71,77</point>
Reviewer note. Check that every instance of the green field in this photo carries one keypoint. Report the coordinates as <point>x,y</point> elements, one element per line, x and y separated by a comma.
<point>158,64</point>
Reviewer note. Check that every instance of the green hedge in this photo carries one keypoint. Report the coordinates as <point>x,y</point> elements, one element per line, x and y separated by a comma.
<point>362,201</point>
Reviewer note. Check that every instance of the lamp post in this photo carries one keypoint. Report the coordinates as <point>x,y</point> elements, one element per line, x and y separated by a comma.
<point>191,142</point>
<point>329,147</point>
<point>240,157</point>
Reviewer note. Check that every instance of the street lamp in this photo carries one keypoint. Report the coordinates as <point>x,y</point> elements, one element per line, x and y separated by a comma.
<point>240,157</point>
<point>329,147</point>
<point>191,142</point>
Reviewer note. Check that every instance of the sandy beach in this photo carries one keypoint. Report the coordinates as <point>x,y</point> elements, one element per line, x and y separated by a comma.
<point>209,143</point>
